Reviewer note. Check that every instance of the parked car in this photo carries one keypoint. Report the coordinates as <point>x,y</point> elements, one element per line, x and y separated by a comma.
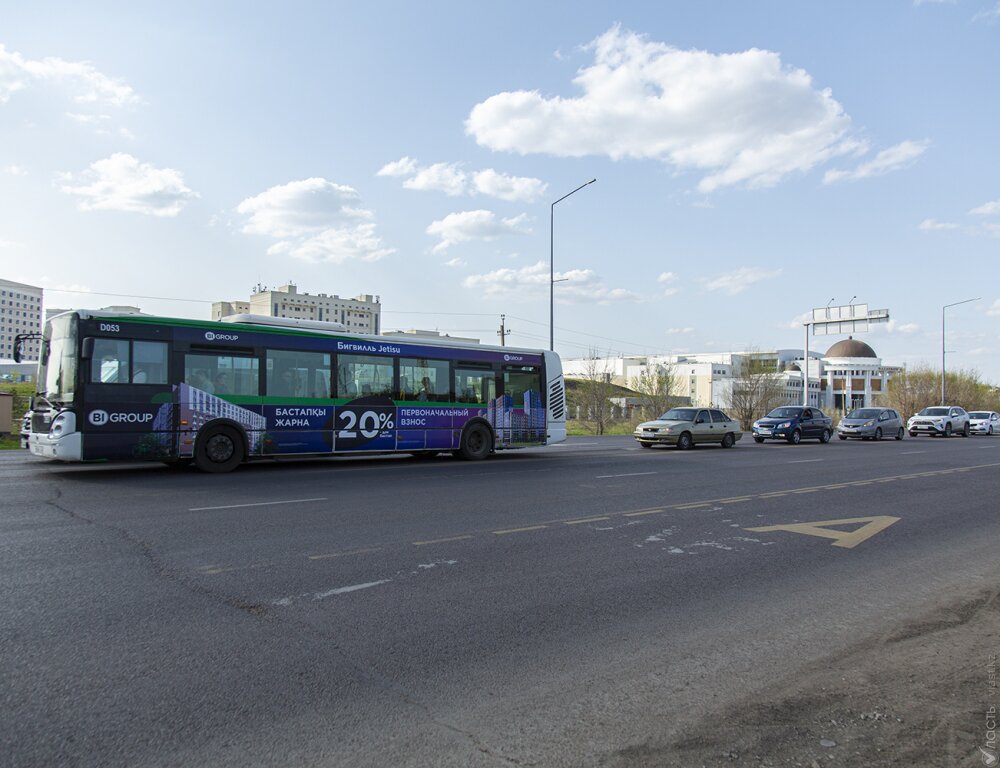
<point>871,424</point>
<point>793,423</point>
<point>944,420</point>
<point>984,422</point>
<point>686,427</point>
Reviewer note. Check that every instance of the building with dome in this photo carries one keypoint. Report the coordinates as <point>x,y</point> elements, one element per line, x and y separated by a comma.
<point>853,375</point>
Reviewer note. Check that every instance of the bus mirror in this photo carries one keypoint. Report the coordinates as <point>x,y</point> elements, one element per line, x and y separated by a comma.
<point>87,351</point>
<point>17,352</point>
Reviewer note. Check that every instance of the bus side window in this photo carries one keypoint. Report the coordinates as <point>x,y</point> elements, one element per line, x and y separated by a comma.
<point>110,363</point>
<point>474,385</point>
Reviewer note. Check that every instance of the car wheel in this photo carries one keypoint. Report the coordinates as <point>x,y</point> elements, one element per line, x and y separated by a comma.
<point>842,437</point>
<point>475,444</point>
<point>825,437</point>
<point>795,438</point>
<point>758,439</point>
<point>646,445</point>
<point>878,433</point>
<point>729,440</point>
<point>219,449</point>
<point>900,433</point>
<point>684,441</point>
<point>947,429</point>
<point>966,430</point>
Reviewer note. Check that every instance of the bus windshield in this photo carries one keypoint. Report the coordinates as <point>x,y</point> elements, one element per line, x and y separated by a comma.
<point>58,359</point>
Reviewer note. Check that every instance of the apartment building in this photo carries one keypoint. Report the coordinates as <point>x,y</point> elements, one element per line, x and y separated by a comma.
<point>20,312</point>
<point>362,314</point>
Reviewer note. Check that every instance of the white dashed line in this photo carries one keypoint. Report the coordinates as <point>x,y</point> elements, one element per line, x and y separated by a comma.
<point>255,504</point>
<point>630,474</point>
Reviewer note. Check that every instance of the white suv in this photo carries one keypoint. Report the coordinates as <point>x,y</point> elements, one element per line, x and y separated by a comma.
<point>946,420</point>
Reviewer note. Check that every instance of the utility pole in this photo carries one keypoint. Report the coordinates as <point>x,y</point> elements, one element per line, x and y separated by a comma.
<point>503,332</point>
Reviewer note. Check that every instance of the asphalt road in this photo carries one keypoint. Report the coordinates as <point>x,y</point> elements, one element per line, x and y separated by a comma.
<point>553,607</point>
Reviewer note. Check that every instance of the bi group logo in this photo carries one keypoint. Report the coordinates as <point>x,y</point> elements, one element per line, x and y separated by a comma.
<point>101,418</point>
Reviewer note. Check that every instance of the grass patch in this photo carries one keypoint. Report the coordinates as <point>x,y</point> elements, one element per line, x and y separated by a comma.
<point>9,442</point>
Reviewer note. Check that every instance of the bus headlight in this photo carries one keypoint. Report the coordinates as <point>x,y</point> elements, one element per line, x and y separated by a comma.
<point>61,424</point>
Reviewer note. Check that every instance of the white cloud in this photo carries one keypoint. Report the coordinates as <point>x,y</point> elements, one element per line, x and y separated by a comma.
<point>442,177</point>
<point>894,326</point>
<point>988,15</point>
<point>991,208</point>
<point>742,118</point>
<point>314,220</point>
<point>464,226</point>
<point>993,229</point>
<point>675,331</point>
<point>932,225</point>
<point>122,183</point>
<point>894,158</point>
<point>87,83</point>
<point>452,180</point>
<point>798,321</point>
<point>994,310</point>
<point>402,167</point>
<point>576,285</point>
<point>667,278</point>
<point>15,170</point>
<point>10,244</point>
<point>513,188</point>
<point>456,262</point>
<point>739,280</point>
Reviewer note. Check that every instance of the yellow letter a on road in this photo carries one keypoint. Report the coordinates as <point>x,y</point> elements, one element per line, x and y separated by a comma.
<point>868,527</point>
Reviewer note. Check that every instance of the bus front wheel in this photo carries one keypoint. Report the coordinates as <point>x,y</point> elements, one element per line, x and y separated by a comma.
<point>219,449</point>
<point>476,443</point>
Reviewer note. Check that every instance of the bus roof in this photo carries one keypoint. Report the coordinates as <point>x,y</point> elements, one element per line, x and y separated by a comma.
<point>287,324</point>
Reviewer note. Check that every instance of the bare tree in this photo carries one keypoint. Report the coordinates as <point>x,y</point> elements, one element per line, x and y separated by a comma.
<point>596,390</point>
<point>655,388</point>
<point>913,389</point>
<point>756,388</point>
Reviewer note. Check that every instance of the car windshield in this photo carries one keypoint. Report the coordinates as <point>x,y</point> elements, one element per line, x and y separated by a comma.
<point>979,415</point>
<point>679,414</point>
<point>785,413</point>
<point>933,412</point>
<point>863,413</point>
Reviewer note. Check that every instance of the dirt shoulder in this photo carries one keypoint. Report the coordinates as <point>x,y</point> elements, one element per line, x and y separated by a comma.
<point>918,696</point>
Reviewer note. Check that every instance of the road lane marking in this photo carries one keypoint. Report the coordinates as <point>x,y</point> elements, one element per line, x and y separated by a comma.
<point>255,504</point>
<point>644,512</point>
<point>910,453</point>
<point>692,506</point>
<point>629,474</point>
<point>585,520</point>
<point>441,541</point>
<point>735,501</point>
<point>352,588</point>
<point>846,539</point>
<point>519,530</point>
<point>345,553</point>
<point>805,461</point>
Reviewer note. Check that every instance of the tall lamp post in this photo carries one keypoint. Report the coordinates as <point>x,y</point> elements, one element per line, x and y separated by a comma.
<point>955,304</point>
<point>552,264</point>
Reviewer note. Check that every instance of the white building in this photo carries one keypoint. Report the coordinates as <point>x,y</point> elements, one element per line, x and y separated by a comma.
<point>849,375</point>
<point>362,314</point>
<point>20,312</point>
<point>417,333</point>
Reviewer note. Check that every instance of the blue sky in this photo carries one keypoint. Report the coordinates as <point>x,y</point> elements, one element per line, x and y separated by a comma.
<point>754,160</point>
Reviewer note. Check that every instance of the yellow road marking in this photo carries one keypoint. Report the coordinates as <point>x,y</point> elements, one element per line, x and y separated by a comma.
<point>519,530</point>
<point>846,539</point>
<point>735,501</point>
<point>692,506</point>
<point>441,541</point>
<point>585,520</point>
<point>345,553</point>
<point>643,512</point>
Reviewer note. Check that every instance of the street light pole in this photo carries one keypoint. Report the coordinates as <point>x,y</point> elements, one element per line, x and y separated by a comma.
<point>955,304</point>
<point>552,265</point>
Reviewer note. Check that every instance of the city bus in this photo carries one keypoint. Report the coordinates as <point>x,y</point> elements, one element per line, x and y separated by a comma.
<point>114,386</point>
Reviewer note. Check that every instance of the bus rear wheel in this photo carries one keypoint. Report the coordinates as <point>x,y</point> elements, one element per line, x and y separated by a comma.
<point>476,443</point>
<point>219,449</point>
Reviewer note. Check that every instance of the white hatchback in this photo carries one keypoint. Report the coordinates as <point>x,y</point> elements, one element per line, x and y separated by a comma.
<point>984,422</point>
